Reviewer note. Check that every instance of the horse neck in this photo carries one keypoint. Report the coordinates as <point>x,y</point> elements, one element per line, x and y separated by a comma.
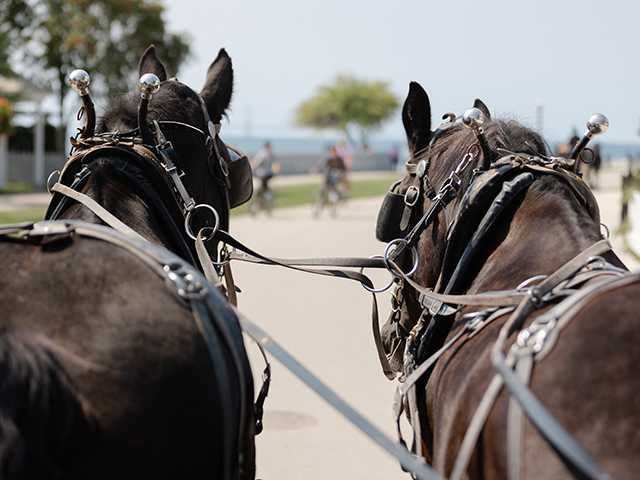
<point>123,203</point>
<point>546,230</point>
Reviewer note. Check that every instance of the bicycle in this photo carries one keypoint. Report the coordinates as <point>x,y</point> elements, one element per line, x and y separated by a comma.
<point>262,199</point>
<point>330,194</point>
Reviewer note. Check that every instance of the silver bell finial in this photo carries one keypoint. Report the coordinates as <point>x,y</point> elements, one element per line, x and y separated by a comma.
<point>149,84</point>
<point>473,119</point>
<point>597,125</point>
<point>79,81</point>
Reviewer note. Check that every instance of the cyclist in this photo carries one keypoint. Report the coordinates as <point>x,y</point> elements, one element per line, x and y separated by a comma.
<point>264,166</point>
<point>333,162</point>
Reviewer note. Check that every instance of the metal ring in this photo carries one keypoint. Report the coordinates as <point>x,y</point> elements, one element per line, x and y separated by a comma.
<point>187,220</point>
<point>414,252</point>
<point>584,159</point>
<point>529,281</point>
<point>606,229</point>
<point>49,180</point>
<point>376,290</point>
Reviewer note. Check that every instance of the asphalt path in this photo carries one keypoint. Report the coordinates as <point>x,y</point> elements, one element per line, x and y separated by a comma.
<point>325,323</point>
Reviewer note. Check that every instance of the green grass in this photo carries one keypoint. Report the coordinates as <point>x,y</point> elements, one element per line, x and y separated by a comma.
<point>285,196</point>
<point>17,188</point>
<point>32,214</point>
<point>292,195</point>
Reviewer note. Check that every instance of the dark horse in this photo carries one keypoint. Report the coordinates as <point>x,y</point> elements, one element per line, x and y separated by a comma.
<point>104,371</point>
<point>520,237</point>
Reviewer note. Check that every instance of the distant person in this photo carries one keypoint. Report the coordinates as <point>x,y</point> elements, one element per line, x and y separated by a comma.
<point>346,153</point>
<point>264,167</point>
<point>395,153</point>
<point>332,161</point>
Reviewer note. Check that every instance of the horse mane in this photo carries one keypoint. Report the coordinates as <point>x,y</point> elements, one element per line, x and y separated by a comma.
<point>509,135</point>
<point>39,410</point>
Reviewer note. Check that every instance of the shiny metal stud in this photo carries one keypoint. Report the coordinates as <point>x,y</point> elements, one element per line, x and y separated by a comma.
<point>597,125</point>
<point>149,84</point>
<point>79,81</point>
<point>473,119</point>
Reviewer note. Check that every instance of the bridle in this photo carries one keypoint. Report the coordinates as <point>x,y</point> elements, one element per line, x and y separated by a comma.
<point>153,169</point>
<point>505,180</point>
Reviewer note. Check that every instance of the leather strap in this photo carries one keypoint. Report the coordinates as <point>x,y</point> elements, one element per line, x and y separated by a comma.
<point>409,462</point>
<point>248,254</point>
<point>555,433</point>
<point>96,208</point>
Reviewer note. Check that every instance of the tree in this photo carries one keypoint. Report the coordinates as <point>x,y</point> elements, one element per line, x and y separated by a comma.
<point>349,103</point>
<point>103,37</point>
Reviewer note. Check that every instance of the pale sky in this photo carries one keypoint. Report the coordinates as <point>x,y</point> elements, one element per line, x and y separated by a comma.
<point>578,58</point>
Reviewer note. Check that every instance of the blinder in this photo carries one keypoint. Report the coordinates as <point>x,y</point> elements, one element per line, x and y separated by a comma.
<point>395,211</point>
<point>240,178</point>
<point>387,226</point>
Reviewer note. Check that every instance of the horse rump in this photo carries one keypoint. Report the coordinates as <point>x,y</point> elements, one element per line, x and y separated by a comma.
<point>40,412</point>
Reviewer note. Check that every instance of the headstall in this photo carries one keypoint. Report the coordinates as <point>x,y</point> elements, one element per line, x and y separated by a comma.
<point>152,167</point>
<point>494,186</point>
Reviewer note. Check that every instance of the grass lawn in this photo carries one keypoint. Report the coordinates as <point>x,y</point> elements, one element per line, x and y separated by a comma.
<point>285,196</point>
<point>32,214</point>
<point>291,195</point>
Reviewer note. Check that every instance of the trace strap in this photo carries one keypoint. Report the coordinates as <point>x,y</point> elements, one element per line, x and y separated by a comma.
<point>224,237</point>
<point>409,462</point>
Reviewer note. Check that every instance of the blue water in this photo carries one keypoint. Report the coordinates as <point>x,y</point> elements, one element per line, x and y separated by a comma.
<point>250,145</point>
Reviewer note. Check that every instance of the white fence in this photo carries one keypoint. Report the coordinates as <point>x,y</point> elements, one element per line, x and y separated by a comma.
<point>20,166</point>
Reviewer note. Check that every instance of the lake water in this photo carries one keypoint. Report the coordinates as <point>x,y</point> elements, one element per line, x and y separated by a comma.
<point>250,145</point>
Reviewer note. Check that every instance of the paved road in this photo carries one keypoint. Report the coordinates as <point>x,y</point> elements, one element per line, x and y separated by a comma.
<point>326,324</point>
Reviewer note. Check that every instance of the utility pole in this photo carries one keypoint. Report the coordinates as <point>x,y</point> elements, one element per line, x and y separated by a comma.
<point>540,115</point>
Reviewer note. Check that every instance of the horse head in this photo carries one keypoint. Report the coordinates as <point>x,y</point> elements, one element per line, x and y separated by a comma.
<point>177,102</point>
<point>156,160</point>
<point>450,154</point>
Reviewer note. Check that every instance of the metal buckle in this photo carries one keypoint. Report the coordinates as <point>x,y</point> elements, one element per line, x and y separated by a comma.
<point>411,202</point>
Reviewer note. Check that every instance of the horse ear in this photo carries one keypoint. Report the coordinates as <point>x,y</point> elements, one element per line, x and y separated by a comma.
<point>416,118</point>
<point>479,104</point>
<point>149,63</point>
<point>218,87</point>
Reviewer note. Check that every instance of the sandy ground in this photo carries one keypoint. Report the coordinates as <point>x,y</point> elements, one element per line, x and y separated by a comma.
<point>326,324</point>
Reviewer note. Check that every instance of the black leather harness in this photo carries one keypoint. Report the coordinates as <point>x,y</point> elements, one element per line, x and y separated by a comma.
<point>416,353</point>
<point>215,319</point>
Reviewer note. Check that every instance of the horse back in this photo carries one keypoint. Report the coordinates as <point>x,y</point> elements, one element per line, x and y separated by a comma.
<point>147,399</point>
<point>588,382</point>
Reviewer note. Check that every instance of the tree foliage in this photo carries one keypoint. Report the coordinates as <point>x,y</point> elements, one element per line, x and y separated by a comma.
<point>104,37</point>
<point>348,103</point>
